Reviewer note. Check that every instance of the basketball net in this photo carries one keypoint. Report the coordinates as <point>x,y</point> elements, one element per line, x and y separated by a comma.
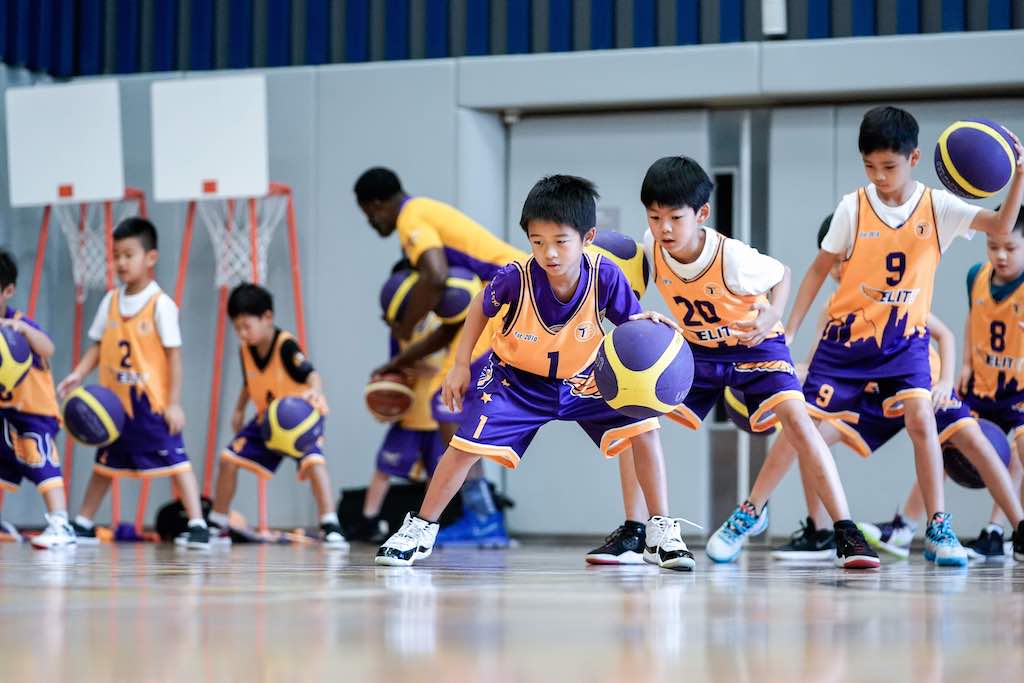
<point>88,230</point>
<point>241,230</point>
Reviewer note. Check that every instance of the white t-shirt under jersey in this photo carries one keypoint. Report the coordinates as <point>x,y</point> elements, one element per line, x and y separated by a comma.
<point>747,271</point>
<point>166,313</point>
<point>953,217</point>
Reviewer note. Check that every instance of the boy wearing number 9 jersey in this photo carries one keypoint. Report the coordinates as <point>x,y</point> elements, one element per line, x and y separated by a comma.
<point>137,349</point>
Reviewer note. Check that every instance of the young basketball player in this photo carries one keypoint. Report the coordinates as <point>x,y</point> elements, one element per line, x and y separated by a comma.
<point>28,445</point>
<point>273,366</point>
<point>137,348</point>
<point>434,236</point>
<point>888,238</point>
<point>541,369</point>
<point>728,299</point>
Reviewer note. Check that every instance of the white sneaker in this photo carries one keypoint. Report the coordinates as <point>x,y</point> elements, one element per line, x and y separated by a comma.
<point>58,533</point>
<point>726,543</point>
<point>664,546</point>
<point>414,541</point>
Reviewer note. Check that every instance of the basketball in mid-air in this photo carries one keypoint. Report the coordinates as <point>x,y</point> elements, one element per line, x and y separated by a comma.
<point>93,415</point>
<point>975,158</point>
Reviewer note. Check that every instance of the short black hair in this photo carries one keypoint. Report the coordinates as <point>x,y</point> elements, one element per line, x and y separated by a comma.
<point>139,228</point>
<point>823,229</point>
<point>676,182</point>
<point>249,299</point>
<point>562,199</point>
<point>8,269</point>
<point>377,183</point>
<point>888,129</point>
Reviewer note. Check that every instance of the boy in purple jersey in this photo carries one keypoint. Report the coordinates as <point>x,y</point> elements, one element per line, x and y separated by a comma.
<point>541,369</point>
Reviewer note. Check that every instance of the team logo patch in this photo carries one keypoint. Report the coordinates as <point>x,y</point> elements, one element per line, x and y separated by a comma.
<point>584,331</point>
<point>1018,310</point>
<point>891,297</point>
<point>145,327</point>
<point>486,375</point>
<point>766,366</point>
<point>583,385</point>
<point>712,289</point>
<point>667,281</point>
<point>923,230</point>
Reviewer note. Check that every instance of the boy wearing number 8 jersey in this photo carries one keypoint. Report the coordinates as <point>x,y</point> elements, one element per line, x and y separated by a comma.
<point>137,349</point>
<point>888,238</point>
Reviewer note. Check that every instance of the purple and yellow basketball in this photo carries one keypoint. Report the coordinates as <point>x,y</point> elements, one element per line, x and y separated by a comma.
<point>975,158</point>
<point>738,413</point>
<point>627,255</point>
<point>644,368</point>
<point>961,470</point>
<point>292,426</point>
<point>461,286</point>
<point>93,416</point>
<point>15,358</point>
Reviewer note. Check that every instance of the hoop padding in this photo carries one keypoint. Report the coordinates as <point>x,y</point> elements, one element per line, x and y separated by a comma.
<point>230,224</point>
<point>86,229</point>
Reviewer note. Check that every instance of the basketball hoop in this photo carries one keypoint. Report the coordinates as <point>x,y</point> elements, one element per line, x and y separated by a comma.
<point>241,230</point>
<point>88,230</point>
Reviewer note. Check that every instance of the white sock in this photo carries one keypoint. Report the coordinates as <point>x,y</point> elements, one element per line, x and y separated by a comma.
<point>199,522</point>
<point>61,515</point>
<point>910,524</point>
<point>994,528</point>
<point>84,522</point>
<point>330,518</point>
<point>220,519</point>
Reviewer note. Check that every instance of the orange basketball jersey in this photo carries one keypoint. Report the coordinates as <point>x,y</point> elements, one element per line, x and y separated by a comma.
<point>997,356</point>
<point>34,394</point>
<point>133,357</point>
<point>271,381</point>
<point>704,306</point>
<point>559,352</point>
<point>885,285</point>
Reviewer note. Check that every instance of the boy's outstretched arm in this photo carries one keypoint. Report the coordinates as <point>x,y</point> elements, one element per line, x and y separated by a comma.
<point>457,381</point>
<point>420,349</point>
<point>947,355</point>
<point>90,359</point>
<point>1001,222</point>
<point>809,288</point>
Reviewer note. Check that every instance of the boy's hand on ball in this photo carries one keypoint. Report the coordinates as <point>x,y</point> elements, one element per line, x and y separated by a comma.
<point>1018,147</point>
<point>175,418</point>
<point>317,400</point>
<point>658,318</point>
<point>67,385</point>
<point>454,387</point>
<point>753,332</point>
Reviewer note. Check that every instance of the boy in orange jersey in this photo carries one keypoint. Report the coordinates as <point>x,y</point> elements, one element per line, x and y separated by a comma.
<point>888,238</point>
<point>137,348</point>
<point>273,366</point>
<point>541,369</point>
<point>28,446</point>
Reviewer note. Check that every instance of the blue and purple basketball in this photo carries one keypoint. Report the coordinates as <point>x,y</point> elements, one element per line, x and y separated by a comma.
<point>15,358</point>
<point>292,426</point>
<point>627,254</point>
<point>738,413</point>
<point>961,470</point>
<point>975,158</point>
<point>644,368</point>
<point>461,286</point>
<point>93,416</point>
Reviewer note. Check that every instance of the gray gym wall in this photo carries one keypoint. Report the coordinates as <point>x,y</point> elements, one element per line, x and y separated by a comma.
<point>438,124</point>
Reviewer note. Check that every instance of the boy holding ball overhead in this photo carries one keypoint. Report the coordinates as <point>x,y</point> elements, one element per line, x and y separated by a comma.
<point>273,366</point>
<point>541,369</point>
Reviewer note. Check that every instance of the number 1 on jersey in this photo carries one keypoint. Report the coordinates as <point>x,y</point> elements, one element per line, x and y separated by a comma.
<point>553,367</point>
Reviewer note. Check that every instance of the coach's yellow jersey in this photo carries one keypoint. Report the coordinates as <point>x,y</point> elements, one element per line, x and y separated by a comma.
<point>560,352</point>
<point>132,356</point>
<point>35,394</point>
<point>997,356</point>
<point>425,224</point>
<point>885,285</point>
<point>267,378</point>
<point>704,306</point>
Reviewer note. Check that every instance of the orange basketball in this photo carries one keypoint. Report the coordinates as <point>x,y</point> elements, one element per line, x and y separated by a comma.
<point>389,396</point>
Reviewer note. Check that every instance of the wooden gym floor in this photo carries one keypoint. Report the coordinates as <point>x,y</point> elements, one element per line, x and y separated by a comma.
<point>535,613</point>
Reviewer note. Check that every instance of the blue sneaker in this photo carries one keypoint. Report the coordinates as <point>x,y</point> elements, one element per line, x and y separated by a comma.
<point>726,543</point>
<point>472,530</point>
<point>941,545</point>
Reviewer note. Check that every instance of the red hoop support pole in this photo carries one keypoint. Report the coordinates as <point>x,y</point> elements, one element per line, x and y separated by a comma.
<point>37,269</point>
<point>293,252</point>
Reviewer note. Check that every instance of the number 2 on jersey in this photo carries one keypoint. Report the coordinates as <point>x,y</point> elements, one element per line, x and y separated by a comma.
<point>705,309</point>
<point>126,359</point>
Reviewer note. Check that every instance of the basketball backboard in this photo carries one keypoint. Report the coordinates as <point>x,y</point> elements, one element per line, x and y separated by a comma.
<point>64,143</point>
<point>210,138</point>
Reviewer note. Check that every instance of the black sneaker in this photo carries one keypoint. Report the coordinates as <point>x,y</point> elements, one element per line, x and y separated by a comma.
<point>196,538</point>
<point>85,536</point>
<point>1018,543</point>
<point>987,546</point>
<point>331,536</point>
<point>625,545</point>
<point>808,544</point>
<point>852,549</point>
